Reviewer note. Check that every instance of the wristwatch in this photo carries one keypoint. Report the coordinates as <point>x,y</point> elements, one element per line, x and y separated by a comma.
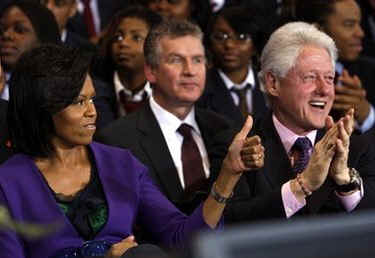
<point>354,183</point>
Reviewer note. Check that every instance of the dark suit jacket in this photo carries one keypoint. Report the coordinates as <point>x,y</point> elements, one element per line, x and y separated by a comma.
<point>140,132</point>
<point>5,151</point>
<point>75,40</point>
<point>107,10</point>
<point>258,194</point>
<point>217,98</point>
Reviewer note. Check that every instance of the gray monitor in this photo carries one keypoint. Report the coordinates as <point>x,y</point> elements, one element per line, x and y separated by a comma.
<point>340,236</point>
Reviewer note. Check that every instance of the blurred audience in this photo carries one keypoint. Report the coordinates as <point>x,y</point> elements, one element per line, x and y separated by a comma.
<point>93,16</point>
<point>24,25</point>
<point>198,11</point>
<point>63,11</point>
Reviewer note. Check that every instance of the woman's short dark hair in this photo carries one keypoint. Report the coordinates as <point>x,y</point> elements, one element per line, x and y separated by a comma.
<point>248,20</point>
<point>42,19</point>
<point>45,81</point>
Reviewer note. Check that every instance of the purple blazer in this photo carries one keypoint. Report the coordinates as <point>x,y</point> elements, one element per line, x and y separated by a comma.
<point>130,194</point>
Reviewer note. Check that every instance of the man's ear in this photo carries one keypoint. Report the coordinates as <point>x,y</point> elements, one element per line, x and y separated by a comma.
<point>272,84</point>
<point>149,73</point>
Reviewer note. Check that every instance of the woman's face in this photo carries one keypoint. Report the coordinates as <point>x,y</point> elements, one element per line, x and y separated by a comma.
<point>231,50</point>
<point>127,45</point>
<point>17,35</point>
<point>75,125</point>
<point>180,9</point>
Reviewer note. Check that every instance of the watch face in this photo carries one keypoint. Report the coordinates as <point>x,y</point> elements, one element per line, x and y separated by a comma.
<point>355,182</point>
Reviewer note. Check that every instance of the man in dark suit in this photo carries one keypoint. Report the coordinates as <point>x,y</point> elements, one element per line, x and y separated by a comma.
<point>175,67</point>
<point>232,87</point>
<point>307,169</point>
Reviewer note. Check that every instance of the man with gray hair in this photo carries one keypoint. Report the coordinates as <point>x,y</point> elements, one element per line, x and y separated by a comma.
<point>307,166</point>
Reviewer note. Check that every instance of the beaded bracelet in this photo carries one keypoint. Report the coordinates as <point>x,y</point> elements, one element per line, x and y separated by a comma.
<point>219,198</point>
<point>305,191</point>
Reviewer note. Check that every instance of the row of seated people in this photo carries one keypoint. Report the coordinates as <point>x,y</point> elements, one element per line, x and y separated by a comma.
<point>177,75</point>
<point>232,87</point>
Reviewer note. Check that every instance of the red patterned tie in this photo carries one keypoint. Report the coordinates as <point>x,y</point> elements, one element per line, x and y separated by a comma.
<point>191,161</point>
<point>89,18</point>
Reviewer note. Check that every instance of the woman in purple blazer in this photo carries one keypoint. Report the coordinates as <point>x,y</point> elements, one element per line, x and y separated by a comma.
<point>94,193</point>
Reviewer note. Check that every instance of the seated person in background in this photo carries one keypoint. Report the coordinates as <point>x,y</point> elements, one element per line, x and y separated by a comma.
<point>307,170</point>
<point>24,25</point>
<point>355,74</point>
<point>232,87</point>
<point>169,135</point>
<point>123,61</point>
<point>63,11</point>
<point>197,11</point>
<point>96,192</point>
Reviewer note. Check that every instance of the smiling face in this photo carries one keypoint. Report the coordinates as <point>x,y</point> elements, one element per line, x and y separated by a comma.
<point>75,124</point>
<point>234,53</point>
<point>303,99</point>
<point>345,29</point>
<point>127,46</point>
<point>180,75</point>
<point>17,35</point>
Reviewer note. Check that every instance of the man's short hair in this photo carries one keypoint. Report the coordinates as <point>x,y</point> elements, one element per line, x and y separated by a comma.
<point>171,28</point>
<point>45,80</point>
<point>286,43</point>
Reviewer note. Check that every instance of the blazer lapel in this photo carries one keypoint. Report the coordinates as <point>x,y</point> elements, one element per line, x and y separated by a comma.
<point>222,101</point>
<point>277,169</point>
<point>155,147</point>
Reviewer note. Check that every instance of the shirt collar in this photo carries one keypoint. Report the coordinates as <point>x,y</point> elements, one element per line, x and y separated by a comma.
<point>63,35</point>
<point>250,79</point>
<point>168,120</point>
<point>288,137</point>
<point>120,86</point>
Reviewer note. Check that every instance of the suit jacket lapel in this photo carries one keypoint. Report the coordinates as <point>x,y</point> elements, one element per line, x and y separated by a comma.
<point>259,101</point>
<point>156,149</point>
<point>222,101</point>
<point>277,169</point>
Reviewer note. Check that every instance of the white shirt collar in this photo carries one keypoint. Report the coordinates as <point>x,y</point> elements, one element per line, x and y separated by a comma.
<point>63,35</point>
<point>288,137</point>
<point>250,79</point>
<point>171,122</point>
<point>120,86</point>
